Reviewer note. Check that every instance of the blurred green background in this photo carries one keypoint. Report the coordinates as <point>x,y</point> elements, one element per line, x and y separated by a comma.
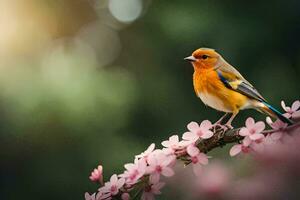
<point>85,82</point>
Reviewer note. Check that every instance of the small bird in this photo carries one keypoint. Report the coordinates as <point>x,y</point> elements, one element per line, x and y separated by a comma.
<point>220,86</point>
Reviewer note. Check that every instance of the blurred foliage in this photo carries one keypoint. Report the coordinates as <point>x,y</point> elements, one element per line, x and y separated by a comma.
<point>89,82</point>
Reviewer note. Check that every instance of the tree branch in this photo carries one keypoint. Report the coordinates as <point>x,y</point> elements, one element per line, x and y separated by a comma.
<point>222,137</point>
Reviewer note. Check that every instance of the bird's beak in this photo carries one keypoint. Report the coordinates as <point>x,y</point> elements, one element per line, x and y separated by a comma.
<point>190,58</point>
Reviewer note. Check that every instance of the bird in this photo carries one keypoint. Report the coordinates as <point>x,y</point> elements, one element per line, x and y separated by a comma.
<point>222,87</point>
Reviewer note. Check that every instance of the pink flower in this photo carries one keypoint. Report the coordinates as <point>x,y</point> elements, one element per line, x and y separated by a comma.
<point>195,131</point>
<point>238,148</point>
<point>172,143</point>
<point>87,196</point>
<point>198,159</point>
<point>277,125</point>
<point>97,174</point>
<point>134,171</point>
<point>146,153</point>
<point>151,190</point>
<point>293,111</point>
<point>125,196</point>
<point>98,196</point>
<point>113,186</point>
<point>258,145</point>
<point>159,165</point>
<point>252,129</point>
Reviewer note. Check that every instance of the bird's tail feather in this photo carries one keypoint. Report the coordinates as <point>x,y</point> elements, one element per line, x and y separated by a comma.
<point>273,112</point>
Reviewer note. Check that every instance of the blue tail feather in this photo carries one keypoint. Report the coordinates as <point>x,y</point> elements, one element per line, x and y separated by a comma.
<point>278,114</point>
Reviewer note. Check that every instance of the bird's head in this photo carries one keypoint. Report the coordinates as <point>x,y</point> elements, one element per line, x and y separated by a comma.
<point>204,58</point>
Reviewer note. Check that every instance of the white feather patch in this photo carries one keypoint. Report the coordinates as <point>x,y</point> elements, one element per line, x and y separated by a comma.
<point>213,101</point>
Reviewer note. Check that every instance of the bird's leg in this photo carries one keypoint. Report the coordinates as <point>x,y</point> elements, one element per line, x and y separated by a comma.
<point>218,125</point>
<point>219,122</point>
<point>228,124</point>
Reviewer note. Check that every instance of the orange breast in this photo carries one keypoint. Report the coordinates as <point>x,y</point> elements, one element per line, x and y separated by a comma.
<point>213,92</point>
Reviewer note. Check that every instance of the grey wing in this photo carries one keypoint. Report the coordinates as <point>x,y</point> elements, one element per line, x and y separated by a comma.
<point>227,68</point>
<point>238,83</point>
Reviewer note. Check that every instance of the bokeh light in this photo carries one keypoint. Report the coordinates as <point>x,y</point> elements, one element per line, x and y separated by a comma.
<point>125,10</point>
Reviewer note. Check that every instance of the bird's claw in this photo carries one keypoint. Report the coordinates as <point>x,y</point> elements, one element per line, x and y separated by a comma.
<point>218,127</point>
<point>229,126</point>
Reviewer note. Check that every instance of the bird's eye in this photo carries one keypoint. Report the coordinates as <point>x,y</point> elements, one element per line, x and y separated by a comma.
<point>204,57</point>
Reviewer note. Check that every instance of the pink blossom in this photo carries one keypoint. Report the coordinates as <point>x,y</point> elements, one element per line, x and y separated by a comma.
<point>195,131</point>
<point>97,174</point>
<point>279,126</point>
<point>151,190</point>
<point>173,143</point>
<point>146,153</point>
<point>98,196</point>
<point>252,129</point>
<point>258,145</point>
<point>113,186</point>
<point>134,171</point>
<point>87,196</point>
<point>125,196</point>
<point>159,165</point>
<point>198,159</point>
<point>168,151</point>
<point>238,148</point>
<point>281,133</point>
<point>293,111</point>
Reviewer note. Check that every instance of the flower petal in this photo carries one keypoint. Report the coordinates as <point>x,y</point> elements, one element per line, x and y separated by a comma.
<point>150,148</point>
<point>259,126</point>
<point>167,171</point>
<point>120,183</point>
<point>192,150</point>
<point>174,139</point>
<point>247,141</point>
<point>287,115</point>
<point>256,136</point>
<point>244,132</point>
<point>236,149</point>
<point>167,160</point>
<point>152,159</point>
<point>193,126</point>
<point>284,106</point>
<point>202,158</point>
<point>154,178</point>
<point>166,143</point>
<point>87,196</point>
<point>114,179</point>
<point>185,143</point>
<point>190,136</point>
<point>207,134</point>
<point>205,125</point>
<point>296,105</point>
<point>296,114</point>
<point>129,166</point>
<point>250,122</point>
